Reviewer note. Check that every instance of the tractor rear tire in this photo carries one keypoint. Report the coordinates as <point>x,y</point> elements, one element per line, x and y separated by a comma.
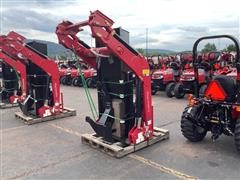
<point>202,90</point>
<point>179,91</point>
<point>191,130</point>
<point>170,89</point>
<point>237,135</point>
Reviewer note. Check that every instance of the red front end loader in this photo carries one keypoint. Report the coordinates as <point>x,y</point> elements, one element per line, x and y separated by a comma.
<point>43,92</point>
<point>121,119</point>
<point>19,93</point>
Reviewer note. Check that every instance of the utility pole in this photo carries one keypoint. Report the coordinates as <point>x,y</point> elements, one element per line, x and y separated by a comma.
<point>238,26</point>
<point>146,42</point>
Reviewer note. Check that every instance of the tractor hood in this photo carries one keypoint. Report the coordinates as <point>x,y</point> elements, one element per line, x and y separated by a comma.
<point>188,74</point>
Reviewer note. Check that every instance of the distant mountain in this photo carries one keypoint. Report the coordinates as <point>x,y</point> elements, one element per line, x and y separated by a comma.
<point>158,51</point>
<point>57,49</point>
<point>53,48</point>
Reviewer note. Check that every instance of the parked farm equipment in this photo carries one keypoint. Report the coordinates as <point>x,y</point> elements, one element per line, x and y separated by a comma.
<point>14,87</point>
<point>165,75</point>
<point>218,110</point>
<point>43,97</point>
<point>121,126</point>
<point>187,77</point>
<point>67,36</point>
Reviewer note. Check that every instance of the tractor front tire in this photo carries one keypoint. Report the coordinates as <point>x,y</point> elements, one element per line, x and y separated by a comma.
<point>63,80</point>
<point>69,82</point>
<point>237,135</point>
<point>189,128</point>
<point>89,82</point>
<point>75,81</point>
<point>80,84</point>
<point>179,91</point>
<point>170,89</point>
<point>154,91</point>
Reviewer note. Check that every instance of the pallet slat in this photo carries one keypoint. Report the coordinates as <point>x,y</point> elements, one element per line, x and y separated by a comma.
<point>67,112</point>
<point>8,105</point>
<point>116,150</point>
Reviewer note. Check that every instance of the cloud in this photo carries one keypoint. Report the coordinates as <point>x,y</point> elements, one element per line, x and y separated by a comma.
<point>140,40</point>
<point>172,24</point>
<point>36,3</point>
<point>53,2</point>
<point>29,19</point>
<point>40,35</point>
<point>193,28</point>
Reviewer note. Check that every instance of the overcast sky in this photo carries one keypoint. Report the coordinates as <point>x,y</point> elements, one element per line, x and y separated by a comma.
<point>172,24</point>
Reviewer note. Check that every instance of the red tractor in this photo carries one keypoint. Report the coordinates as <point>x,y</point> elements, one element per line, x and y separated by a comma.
<point>64,71</point>
<point>159,66</point>
<point>154,62</point>
<point>67,72</point>
<point>224,65</point>
<point>219,109</point>
<point>69,75</point>
<point>165,75</point>
<point>88,73</point>
<point>187,78</point>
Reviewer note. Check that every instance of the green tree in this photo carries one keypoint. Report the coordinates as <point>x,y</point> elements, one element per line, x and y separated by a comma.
<point>62,57</point>
<point>209,48</point>
<point>230,48</point>
<point>141,51</point>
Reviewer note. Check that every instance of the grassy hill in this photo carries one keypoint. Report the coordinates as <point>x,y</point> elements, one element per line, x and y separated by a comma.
<point>158,51</point>
<point>53,48</point>
<point>57,49</point>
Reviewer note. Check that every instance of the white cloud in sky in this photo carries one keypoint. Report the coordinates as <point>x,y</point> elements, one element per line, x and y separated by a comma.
<point>172,24</point>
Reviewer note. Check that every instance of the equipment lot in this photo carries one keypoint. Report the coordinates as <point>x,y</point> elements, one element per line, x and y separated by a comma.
<point>53,150</point>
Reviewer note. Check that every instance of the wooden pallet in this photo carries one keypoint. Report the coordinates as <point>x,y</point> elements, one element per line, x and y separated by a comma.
<point>8,105</point>
<point>33,120</point>
<point>116,150</point>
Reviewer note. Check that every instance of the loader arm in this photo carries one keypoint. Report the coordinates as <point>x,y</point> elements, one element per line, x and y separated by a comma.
<point>67,36</point>
<point>21,70</point>
<point>101,28</point>
<point>14,45</point>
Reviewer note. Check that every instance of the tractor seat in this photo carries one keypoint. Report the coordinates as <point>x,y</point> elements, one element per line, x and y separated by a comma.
<point>229,86</point>
<point>206,66</point>
<point>174,66</point>
<point>176,73</point>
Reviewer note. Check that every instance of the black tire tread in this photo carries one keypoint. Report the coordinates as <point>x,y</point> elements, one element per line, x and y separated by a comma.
<point>237,135</point>
<point>188,127</point>
<point>177,94</point>
<point>169,89</point>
